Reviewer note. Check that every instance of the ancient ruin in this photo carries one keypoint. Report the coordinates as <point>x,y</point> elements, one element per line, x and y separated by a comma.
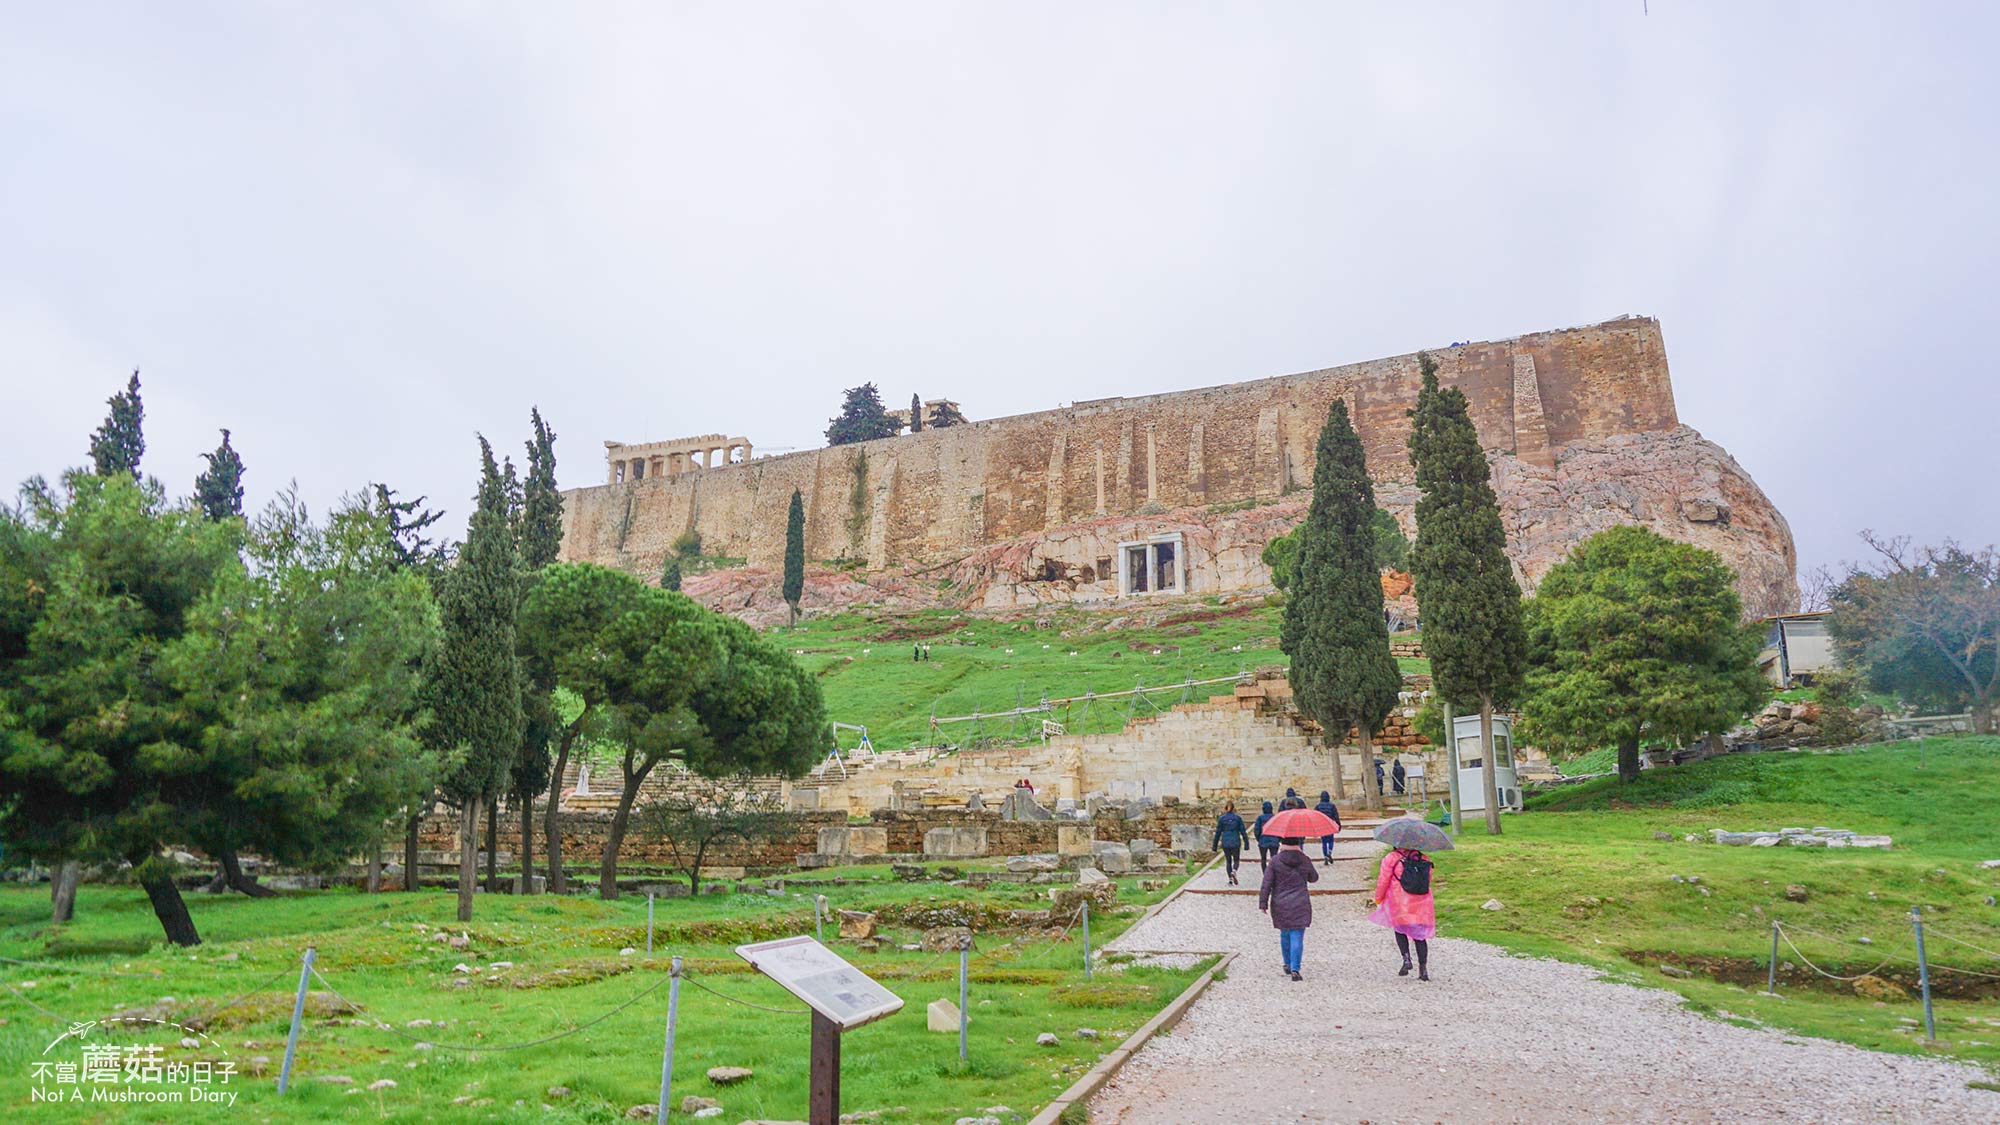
<point>1177,493</point>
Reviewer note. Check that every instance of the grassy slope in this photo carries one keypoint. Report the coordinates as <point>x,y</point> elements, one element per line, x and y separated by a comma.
<point>1595,841</point>
<point>373,953</point>
<point>864,665</point>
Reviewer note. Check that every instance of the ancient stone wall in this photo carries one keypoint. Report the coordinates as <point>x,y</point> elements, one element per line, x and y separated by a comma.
<point>1030,508</point>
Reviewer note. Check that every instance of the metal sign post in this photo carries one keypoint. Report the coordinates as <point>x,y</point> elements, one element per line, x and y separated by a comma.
<point>841,997</point>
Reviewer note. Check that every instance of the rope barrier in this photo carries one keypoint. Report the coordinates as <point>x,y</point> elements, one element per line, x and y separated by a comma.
<point>1822,972</point>
<point>381,1025</point>
<point>22,997</point>
<point>688,977</point>
<point>1931,932</point>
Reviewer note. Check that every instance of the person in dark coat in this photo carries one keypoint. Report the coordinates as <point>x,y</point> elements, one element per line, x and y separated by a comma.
<point>1381,782</point>
<point>1292,800</point>
<point>1397,777</point>
<point>1229,836</point>
<point>1287,897</point>
<point>1265,844</point>
<point>1325,808</point>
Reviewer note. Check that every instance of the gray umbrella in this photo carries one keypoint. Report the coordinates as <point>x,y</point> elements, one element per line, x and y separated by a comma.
<point>1409,832</point>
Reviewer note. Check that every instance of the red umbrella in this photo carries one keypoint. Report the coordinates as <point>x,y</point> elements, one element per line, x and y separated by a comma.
<point>1301,822</point>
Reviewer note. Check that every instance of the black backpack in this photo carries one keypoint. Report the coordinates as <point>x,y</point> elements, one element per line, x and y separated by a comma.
<point>1415,875</point>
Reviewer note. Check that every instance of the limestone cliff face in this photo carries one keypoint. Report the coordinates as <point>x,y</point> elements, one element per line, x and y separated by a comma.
<point>1010,513</point>
<point>1675,482</point>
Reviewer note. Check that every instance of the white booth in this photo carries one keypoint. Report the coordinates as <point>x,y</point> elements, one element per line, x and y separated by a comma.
<point>1471,762</point>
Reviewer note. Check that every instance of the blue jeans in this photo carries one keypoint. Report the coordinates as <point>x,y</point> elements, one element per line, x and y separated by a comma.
<point>1292,943</point>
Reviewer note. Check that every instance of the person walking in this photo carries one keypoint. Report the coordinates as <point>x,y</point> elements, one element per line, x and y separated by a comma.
<point>1286,895</point>
<point>1398,777</point>
<point>1381,782</point>
<point>1325,808</point>
<point>1229,836</point>
<point>1403,904</point>
<point>1292,800</point>
<point>1265,844</point>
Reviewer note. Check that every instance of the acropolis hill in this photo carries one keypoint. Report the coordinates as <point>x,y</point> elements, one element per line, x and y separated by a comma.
<point>1122,498</point>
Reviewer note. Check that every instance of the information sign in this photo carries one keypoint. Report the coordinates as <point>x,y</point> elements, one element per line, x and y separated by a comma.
<point>820,977</point>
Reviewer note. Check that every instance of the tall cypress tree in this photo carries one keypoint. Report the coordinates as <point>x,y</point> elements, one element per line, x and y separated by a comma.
<point>540,541</point>
<point>795,554</point>
<point>219,489</point>
<point>670,572</point>
<point>1474,632</point>
<point>119,443</point>
<point>1342,671</point>
<point>916,415</point>
<point>474,679</point>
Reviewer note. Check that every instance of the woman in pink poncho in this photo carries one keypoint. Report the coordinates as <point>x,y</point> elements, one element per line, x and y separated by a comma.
<point>1413,917</point>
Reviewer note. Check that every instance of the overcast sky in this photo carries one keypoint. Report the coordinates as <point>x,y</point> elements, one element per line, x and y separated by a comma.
<point>358,237</point>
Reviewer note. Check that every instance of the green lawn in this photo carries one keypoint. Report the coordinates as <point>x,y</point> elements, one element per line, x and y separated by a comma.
<point>985,665</point>
<point>567,969</point>
<point>1583,878</point>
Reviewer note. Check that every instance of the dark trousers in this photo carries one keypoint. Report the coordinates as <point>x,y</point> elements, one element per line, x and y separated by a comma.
<point>1232,855</point>
<point>1265,852</point>
<point>1423,950</point>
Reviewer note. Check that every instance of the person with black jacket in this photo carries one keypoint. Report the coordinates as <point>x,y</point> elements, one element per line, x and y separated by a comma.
<point>1325,808</point>
<point>1229,836</point>
<point>1265,844</point>
<point>1292,801</point>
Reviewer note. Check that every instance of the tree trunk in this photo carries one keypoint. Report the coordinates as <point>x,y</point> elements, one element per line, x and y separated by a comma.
<point>550,829</point>
<point>1371,789</point>
<point>63,880</point>
<point>168,906</point>
<point>607,876</point>
<point>1984,715</point>
<point>527,843</point>
<point>374,884</point>
<point>468,856</point>
<point>232,875</point>
<point>1339,782</point>
<point>1487,778</point>
<point>493,845</point>
<point>410,879</point>
<point>1628,759</point>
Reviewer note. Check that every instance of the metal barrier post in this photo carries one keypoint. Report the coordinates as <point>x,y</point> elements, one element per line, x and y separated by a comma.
<point>649,925</point>
<point>298,1017</point>
<point>667,1060</point>
<point>963,957</point>
<point>1924,974</point>
<point>1086,939</point>
<point>819,918</point>
<point>1771,986</point>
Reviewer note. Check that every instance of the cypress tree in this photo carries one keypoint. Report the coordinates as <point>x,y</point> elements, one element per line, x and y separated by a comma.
<point>119,443</point>
<point>670,572</point>
<point>1473,628</point>
<point>474,679</point>
<point>540,541</point>
<point>916,415</point>
<point>219,489</point>
<point>795,554</point>
<point>541,504</point>
<point>1342,671</point>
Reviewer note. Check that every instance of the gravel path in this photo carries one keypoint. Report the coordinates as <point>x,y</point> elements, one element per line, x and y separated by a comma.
<point>1492,1038</point>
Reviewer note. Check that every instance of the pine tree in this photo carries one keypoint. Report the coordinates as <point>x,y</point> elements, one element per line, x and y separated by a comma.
<point>945,415</point>
<point>406,521</point>
<point>219,489</point>
<point>119,443</point>
<point>916,415</point>
<point>862,418</point>
<point>474,679</point>
<point>1471,604</point>
<point>1342,671</point>
<point>795,554</point>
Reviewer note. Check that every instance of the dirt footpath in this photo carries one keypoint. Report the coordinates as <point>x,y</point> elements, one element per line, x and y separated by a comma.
<point>1492,1038</point>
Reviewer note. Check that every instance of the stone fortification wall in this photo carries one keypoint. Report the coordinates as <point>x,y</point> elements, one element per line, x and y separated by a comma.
<point>1028,509</point>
